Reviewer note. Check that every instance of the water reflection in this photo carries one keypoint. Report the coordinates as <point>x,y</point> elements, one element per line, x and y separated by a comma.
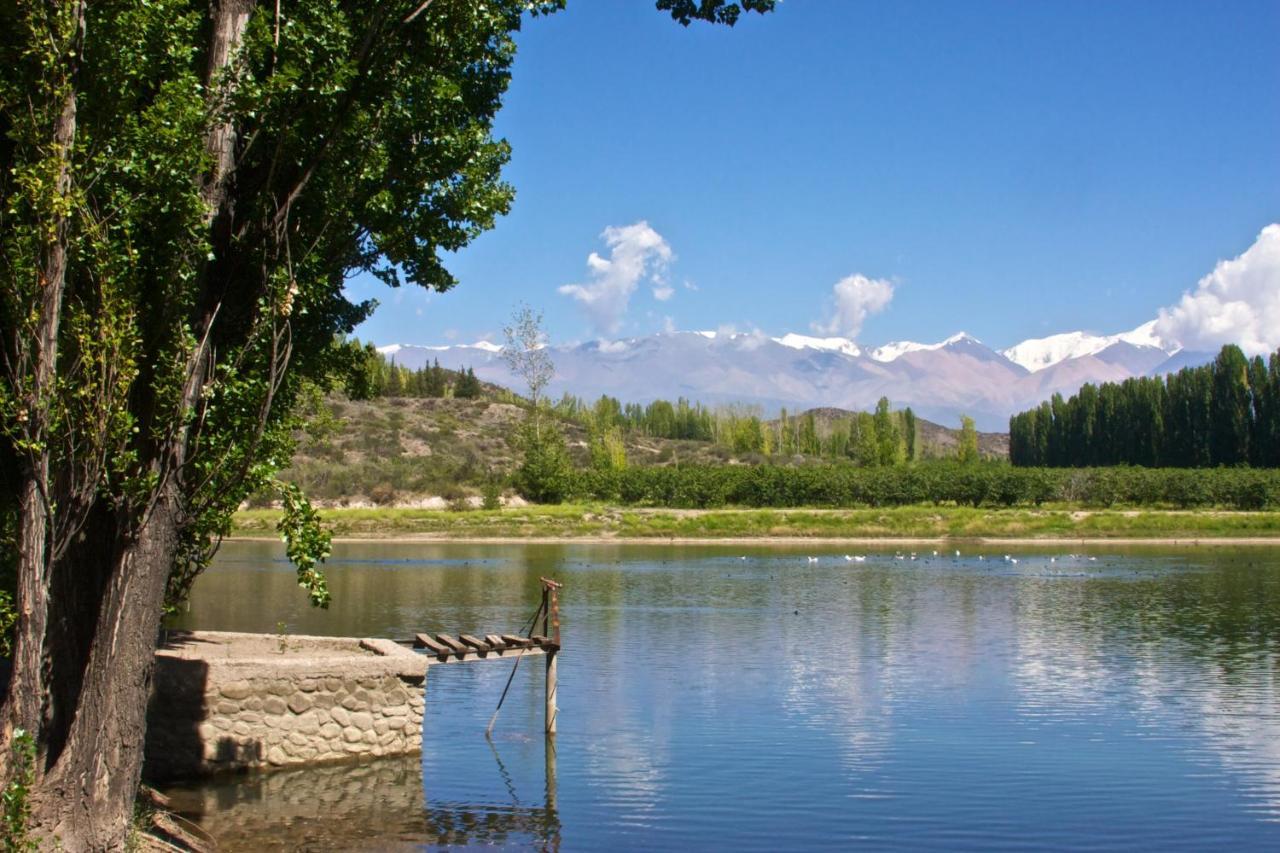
<point>371,805</point>
<point>949,702</point>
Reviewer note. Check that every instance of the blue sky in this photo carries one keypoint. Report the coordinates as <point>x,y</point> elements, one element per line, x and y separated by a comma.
<point>1011,169</point>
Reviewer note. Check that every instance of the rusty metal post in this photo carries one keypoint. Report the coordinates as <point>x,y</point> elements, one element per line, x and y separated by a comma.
<point>551,630</point>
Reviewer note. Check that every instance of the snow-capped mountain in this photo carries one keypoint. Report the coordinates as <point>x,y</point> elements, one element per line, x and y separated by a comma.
<point>1039,353</point>
<point>897,349</point>
<point>795,341</point>
<point>941,381</point>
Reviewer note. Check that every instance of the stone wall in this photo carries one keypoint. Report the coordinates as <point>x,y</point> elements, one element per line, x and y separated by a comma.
<point>225,701</point>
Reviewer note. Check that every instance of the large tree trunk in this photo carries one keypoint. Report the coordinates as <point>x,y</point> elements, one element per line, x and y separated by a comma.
<point>82,668</point>
<point>230,18</point>
<point>23,704</point>
<point>86,798</point>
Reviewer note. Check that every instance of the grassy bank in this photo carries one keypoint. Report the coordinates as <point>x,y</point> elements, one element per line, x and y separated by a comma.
<point>914,522</point>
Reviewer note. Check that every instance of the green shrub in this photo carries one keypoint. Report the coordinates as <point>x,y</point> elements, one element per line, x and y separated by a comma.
<point>546,474</point>
<point>940,482</point>
<point>16,797</point>
<point>491,492</point>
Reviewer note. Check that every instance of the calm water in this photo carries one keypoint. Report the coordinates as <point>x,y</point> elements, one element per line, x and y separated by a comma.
<point>731,698</point>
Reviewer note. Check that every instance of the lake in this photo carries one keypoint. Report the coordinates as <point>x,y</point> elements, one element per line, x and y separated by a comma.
<point>716,697</point>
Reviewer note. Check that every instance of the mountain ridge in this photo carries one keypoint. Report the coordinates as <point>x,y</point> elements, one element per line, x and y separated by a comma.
<point>941,381</point>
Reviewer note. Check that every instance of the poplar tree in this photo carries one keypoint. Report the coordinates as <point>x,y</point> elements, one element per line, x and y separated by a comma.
<point>886,434</point>
<point>1230,408</point>
<point>967,448</point>
<point>184,188</point>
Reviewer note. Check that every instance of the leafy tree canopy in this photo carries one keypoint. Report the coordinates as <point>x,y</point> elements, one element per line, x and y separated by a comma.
<point>184,188</point>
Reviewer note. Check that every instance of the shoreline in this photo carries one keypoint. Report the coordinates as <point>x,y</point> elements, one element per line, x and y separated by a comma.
<point>899,527</point>
<point>444,539</point>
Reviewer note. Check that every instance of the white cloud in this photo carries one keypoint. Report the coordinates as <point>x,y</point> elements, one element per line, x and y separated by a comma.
<point>668,324</point>
<point>636,252</point>
<point>855,298</point>
<point>1237,303</point>
<point>753,340</point>
<point>663,292</point>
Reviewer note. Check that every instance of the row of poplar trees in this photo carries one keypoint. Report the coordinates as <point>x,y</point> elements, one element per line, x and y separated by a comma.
<point>1223,413</point>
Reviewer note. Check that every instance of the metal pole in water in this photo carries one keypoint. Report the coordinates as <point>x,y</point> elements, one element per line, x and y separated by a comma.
<point>551,693</point>
<point>551,630</point>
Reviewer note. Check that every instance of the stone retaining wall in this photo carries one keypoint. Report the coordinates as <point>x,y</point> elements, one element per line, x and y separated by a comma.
<point>225,701</point>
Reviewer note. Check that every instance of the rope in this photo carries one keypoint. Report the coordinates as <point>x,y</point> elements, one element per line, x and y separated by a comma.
<point>528,626</point>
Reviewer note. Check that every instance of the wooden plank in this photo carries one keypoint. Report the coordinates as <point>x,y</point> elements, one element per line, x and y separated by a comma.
<point>518,642</point>
<point>473,656</point>
<point>541,640</point>
<point>495,641</point>
<point>452,643</point>
<point>474,642</point>
<point>422,641</point>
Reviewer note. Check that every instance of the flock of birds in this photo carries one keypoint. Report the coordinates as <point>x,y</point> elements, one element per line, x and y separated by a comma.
<point>1011,560</point>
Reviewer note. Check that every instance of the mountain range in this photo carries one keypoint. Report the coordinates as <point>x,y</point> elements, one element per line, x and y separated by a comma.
<point>940,381</point>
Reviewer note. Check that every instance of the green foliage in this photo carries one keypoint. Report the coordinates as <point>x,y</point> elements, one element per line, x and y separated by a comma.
<point>378,376</point>
<point>193,307</point>
<point>8,578</point>
<point>546,475</point>
<point>468,386</point>
<point>491,492</point>
<point>16,796</point>
<point>890,448</point>
<point>862,440</point>
<point>909,433</point>
<point>8,621</point>
<point>306,543</point>
<point>942,482</point>
<point>886,438</point>
<point>1223,413</point>
<point>967,448</point>
<point>608,453</point>
<point>682,420</point>
<point>713,11</point>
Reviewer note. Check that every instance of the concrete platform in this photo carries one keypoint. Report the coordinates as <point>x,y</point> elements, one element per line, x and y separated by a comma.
<point>227,701</point>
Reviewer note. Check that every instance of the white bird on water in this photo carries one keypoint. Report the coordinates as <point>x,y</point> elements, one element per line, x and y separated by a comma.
<point>859,559</point>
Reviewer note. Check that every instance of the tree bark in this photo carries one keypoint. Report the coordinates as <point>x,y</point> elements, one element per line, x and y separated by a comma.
<point>230,17</point>
<point>86,798</point>
<point>100,645</point>
<point>23,704</point>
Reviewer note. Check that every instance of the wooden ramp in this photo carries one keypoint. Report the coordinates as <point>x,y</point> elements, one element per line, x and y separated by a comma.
<point>445,648</point>
<point>465,648</point>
